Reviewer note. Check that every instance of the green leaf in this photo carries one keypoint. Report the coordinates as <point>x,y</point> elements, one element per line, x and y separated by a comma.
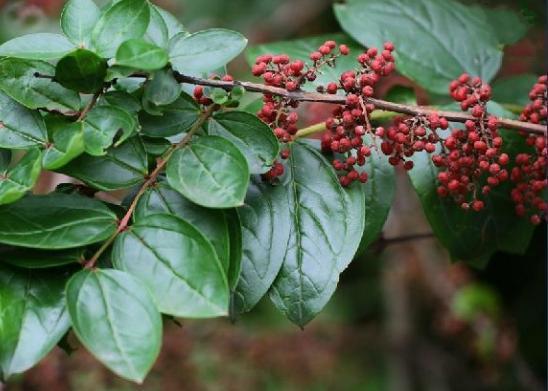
<point>15,182</point>
<point>20,127</point>
<point>81,71</point>
<point>39,259</point>
<point>157,31</point>
<point>122,167</point>
<point>162,89</point>
<point>101,126</point>
<point>236,250</point>
<point>323,237</point>
<point>173,25</point>
<point>19,82</point>
<point>66,142</point>
<point>55,221</point>
<point>155,147</point>
<point>211,172</point>
<point>41,46</point>
<point>379,194</point>
<point>140,54</point>
<point>472,236</point>
<point>251,135</point>
<point>448,38</point>
<point>124,20</point>
<point>181,270</point>
<point>514,89</point>
<point>301,48</point>
<point>5,159</point>
<point>33,317</point>
<point>205,50</point>
<point>78,19</point>
<point>212,223</point>
<point>509,26</point>
<point>265,220</point>
<point>177,117</point>
<point>115,318</point>
<point>122,100</point>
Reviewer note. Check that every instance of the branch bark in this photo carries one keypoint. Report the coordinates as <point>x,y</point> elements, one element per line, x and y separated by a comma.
<point>338,99</point>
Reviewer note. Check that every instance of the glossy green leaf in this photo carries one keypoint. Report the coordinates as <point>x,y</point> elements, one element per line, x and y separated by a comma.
<point>122,100</point>
<point>19,126</point>
<point>448,38</point>
<point>55,221</point>
<point>177,117</point>
<point>125,19</point>
<point>161,89</point>
<point>379,194</point>
<point>41,46</point>
<point>81,71</point>
<point>177,263</point>
<point>205,50</point>
<point>5,159</point>
<point>251,135</point>
<point>140,54</point>
<point>78,19</point>
<point>20,179</point>
<point>103,124</point>
<point>28,258</point>
<point>301,49</point>
<point>19,81</point>
<point>323,237</point>
<point>211,172</point>
<point>236,250</point>
<point>122,167</point>
<point>157,31</point>
<point>114,316</point>
<point>66,142</point>
<point>265,224</point>
<point>211,222</point>
<point>155,147</point>
<point>33,317</point>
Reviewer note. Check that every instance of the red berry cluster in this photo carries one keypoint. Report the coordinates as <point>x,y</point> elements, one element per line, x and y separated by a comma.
<point>351,121</point>
<point>529,173</point>
<point>409,135</point>
<point>280,71</point>
<point>471,157</point>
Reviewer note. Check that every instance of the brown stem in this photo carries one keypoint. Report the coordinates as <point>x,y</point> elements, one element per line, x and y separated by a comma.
<point>338,99</point>
<point>151,180</point>
<point>89,106</point>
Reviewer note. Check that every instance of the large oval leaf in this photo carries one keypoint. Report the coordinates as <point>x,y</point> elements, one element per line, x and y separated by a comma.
<point>19,126</point>
<point>78,19</point>
<point>55,221</point>
<point>177,263</point>
<point>157,31</point>
<point>103,124</point>
<point>81,71</point>
<point>454,38</point>
<point>251,135</point>
<point>122,167</point>
<point>33,317</point>
<point>19,81</point>
<point>41,46</point>
<point>326,224</point>
<point>265,224</point>
<point>125,19</point>
<point>18,180</point>
<point>177,117</point>
<point>114,316</point>
<point>211,222</point>
<point>205,50</point>
<point>140,54</point>
<point>210,172</point>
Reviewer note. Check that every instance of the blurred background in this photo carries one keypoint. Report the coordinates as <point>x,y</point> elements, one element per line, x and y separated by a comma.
<point>403,318</point>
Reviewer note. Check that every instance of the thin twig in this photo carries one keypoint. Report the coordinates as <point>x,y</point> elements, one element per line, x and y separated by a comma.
<point>89,106</point>
<point>151,180</point>
<point>338,99</point>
